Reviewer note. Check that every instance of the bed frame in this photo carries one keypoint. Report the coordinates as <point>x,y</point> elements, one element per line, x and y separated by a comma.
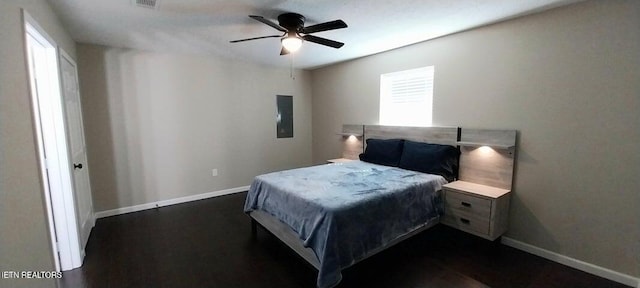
<point>439,135</point>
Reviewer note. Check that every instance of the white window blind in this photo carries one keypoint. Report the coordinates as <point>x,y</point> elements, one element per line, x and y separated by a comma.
<point>406,97</point>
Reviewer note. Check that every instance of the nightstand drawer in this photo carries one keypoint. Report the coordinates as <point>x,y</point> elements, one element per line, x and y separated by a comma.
<point>476,206</point>
<point>467,223</point>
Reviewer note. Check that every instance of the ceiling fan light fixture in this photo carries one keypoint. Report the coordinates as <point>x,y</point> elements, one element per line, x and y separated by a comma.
<point>292,25</point>
<point>291,43</point>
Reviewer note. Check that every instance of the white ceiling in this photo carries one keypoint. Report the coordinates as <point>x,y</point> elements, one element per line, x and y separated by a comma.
<point>207,26</point>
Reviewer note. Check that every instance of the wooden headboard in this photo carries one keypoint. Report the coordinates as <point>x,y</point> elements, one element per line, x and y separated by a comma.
<point>487,155</point>
<point>436,135</point>
<point>355,136</point>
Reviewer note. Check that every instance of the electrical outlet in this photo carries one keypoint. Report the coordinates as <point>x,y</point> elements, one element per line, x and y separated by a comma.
<point>214,172</point>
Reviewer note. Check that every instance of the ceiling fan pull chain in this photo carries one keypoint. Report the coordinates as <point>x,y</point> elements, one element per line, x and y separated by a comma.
<point>291,66</point>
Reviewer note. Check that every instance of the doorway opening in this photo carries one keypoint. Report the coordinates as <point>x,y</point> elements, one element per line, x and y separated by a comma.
<point>53,154</point>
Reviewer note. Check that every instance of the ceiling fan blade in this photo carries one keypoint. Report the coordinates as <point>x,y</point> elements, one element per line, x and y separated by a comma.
<point>254,38</point>
<point>322,41</point>
<point>284,51</point>
<point>336,24</point>
<point>268,22</point>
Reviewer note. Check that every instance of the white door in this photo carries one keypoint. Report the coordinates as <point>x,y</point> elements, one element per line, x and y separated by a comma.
<point>77,147</point>
<point>53,151</point>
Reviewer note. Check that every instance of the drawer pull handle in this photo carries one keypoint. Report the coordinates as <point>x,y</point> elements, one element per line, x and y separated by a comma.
<point>465,204</point>
<point>465,221</point>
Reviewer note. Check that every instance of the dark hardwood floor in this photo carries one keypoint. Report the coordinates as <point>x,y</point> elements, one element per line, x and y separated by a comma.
<point>208,243</point>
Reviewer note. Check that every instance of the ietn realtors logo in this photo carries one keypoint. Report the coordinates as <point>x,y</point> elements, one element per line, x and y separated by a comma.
<point>30,274</point>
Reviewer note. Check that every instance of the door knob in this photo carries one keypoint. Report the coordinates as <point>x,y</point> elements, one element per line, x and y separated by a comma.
<point>77,166</point>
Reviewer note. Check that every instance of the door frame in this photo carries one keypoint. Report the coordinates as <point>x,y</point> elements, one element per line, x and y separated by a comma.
<point>51,139</point>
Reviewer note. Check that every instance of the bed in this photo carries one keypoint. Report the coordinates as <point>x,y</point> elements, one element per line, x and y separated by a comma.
<point>335,215</point>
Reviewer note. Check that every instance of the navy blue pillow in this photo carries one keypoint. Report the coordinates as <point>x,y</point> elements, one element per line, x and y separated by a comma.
<point>430,158</point>
<point>384,152</point>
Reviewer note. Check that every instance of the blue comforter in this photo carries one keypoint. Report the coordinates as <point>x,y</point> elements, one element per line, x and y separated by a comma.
<point>346,211</point>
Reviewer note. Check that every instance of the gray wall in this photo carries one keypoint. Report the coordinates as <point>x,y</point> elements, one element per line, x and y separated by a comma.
<point>567,80</point>
<point>24,240</point>
<point>156,124</point>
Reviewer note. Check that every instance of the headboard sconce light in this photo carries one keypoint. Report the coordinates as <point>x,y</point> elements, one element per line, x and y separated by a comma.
<point>350,134</point>
<point>485,149</point>
<point>487,146</point>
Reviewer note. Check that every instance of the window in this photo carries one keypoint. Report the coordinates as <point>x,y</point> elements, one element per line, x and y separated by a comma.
<point>406,97</point>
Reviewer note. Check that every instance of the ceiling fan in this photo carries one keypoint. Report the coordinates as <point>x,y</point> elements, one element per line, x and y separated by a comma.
<point>292,25</point>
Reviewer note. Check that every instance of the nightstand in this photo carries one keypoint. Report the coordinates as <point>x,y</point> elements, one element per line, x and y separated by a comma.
<point>339,160</point>
<point>477,209</point>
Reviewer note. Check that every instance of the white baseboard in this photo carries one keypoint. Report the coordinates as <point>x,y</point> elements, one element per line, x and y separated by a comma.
<point>574,263</point>
<point>169,202</point>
